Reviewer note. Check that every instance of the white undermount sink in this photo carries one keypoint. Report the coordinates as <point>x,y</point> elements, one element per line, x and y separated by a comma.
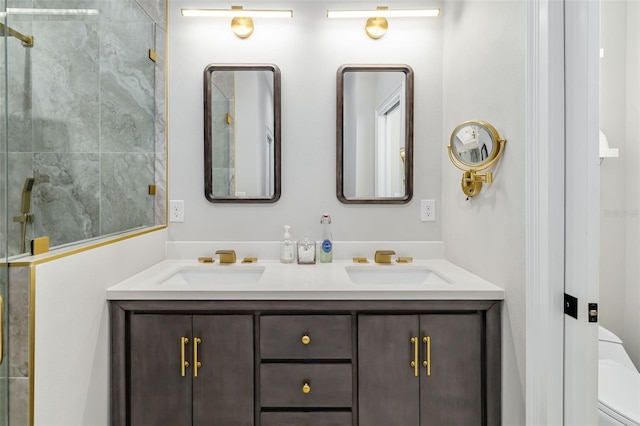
<point>215,275</point>
<point>393,274</point>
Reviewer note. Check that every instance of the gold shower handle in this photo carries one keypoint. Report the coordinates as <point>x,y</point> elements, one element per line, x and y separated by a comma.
<point>414,363</point>
<point>196,364</point>
<point>427,362</point>
<point>184,364</point>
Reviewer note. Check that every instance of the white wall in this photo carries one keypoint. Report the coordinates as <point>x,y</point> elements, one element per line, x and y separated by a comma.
<point>484,78</point>
<point>308,49</point>
<point>630,335</point>
<point>72,328</point>
<point>619,118</point>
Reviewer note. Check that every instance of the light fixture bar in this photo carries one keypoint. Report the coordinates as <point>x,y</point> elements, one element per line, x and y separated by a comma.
<point>384,13</point>
<point>36,11</point>
<point>236,13</point>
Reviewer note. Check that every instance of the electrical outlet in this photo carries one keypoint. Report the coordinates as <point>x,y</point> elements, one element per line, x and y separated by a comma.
<point>176,211</point>
<point>428,210</point>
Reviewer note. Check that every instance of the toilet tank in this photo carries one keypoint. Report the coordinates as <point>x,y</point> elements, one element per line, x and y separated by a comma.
<point>610,347</point>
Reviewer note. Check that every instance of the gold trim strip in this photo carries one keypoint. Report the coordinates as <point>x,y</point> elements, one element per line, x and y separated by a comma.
<point>27,40</point>
<point>32,344</point>
<point>56,256</point>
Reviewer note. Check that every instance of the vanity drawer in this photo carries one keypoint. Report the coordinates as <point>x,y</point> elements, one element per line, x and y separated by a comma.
<point>282,337</point>
<point>283,385</point>
<point>305,419</point>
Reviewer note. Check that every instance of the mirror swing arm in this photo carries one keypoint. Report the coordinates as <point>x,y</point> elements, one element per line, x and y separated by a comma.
<point>472,179</point>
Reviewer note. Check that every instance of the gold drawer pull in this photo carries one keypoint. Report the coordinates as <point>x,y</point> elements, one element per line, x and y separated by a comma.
<point>184,364</point>
<point>414,363</point>
<point>306,388</point>
<point>306,340</point>
<point>427,363</point>
<point>196,364</point>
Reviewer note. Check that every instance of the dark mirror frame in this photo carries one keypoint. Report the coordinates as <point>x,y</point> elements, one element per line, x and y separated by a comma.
<point>408,166</point>
<point>208,142</point>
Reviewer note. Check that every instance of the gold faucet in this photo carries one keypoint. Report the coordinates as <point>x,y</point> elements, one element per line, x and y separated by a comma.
<point>227,256</point>
<point>383,256</point>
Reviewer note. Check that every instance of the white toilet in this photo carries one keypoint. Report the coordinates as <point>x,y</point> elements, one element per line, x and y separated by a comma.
<point>618,383</point>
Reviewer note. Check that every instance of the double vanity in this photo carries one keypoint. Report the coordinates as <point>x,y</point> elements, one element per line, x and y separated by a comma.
<point>338,344</point>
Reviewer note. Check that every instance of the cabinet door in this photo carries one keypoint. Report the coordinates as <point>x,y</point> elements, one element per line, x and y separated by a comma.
<point>160,395</point>
<point>452,393</point>
<point>387,386</point>
<point>223,389</point>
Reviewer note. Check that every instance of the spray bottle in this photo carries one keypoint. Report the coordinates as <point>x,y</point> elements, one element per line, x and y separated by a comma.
<point>326,248</point>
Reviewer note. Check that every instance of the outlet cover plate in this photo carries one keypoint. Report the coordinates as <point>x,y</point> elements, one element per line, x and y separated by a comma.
<point>428,210</point>
<point>176,211</point>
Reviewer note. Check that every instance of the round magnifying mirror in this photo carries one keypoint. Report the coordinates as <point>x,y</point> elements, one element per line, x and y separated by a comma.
<point>475,146</point>
<point>475,143</point>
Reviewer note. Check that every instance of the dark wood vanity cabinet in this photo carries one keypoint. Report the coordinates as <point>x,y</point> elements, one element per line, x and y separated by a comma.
<point>184,370</point>
<point>432,364</point>
<point>306,363</point>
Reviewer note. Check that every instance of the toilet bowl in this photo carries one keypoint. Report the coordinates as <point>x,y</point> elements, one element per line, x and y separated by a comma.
<point>618,383</point>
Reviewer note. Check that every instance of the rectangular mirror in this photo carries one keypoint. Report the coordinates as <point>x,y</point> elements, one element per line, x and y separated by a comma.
<point>375,134</point>
<point>242,133</point>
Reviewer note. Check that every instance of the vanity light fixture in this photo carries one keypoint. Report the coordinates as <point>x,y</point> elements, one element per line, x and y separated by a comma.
<point>241,22</point>
<point>377,24</point>
<point>38,11</point>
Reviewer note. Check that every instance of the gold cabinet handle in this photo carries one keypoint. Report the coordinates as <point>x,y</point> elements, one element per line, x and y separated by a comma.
<point>306,388</point>
<point>414,363</point>
<point>306,340</point>
<point>184,364</point>
<point>196,364</point>
<point>427,362</point>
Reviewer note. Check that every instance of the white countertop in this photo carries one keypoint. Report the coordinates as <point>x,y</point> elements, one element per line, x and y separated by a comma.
<point>322,281</point>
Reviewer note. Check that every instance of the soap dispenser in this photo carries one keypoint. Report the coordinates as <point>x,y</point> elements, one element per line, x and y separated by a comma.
<point>287,249</point>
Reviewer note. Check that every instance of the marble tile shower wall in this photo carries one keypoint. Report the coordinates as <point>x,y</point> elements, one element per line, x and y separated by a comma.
<point>17,355</point>
<point>87,119</point>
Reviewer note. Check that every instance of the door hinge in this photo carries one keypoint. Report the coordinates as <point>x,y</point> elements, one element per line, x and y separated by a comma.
<point>593,312</point>
<point>571,306</point>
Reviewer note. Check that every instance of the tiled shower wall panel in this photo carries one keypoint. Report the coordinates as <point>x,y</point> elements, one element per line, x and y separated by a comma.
<point>18,339</point>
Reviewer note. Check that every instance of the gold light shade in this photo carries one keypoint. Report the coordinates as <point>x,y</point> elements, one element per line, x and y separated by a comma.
<point>242,26</point>
<point>376,27</point>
